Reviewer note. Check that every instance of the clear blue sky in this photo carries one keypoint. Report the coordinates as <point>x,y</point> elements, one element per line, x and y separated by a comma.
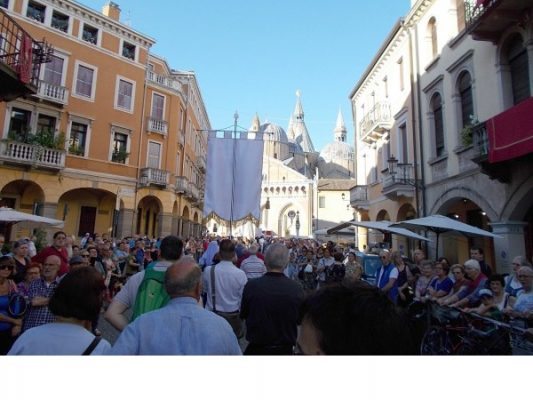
<point>252,56</point>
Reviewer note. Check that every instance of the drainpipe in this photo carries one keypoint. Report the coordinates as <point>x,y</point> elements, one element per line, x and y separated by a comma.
<point>416,115</point>
<point>134,221</point>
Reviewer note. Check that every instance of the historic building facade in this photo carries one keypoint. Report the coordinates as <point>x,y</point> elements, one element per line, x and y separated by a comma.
<point>113,141</point>
<point>470,77</point>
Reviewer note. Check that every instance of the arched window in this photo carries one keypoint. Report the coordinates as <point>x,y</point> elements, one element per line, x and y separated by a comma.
<point>438,124</point>
<point>432,37</point>
<point>519,69</point>
<point>464,87</point>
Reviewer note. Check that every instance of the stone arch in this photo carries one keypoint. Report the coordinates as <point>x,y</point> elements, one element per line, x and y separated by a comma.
<point>87,210</point>
<point>383,215</point>
<point>149,211</point>
<point>406,211</point>
<point>195,219</point>
<point>519,201</point>
<point>284,224</point>
<point>23,195</point>
<point>460,192</point>
<point>467,210</point>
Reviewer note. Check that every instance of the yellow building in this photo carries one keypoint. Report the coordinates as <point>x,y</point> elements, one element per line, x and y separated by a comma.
<point>112,141</point>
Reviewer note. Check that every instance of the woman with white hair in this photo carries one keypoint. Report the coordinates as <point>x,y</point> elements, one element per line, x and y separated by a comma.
<point>478,281</point>
<point>523,306</point>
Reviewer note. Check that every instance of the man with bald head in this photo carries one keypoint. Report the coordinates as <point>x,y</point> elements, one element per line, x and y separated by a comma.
<point>182,327</point>
<point>40,292</point>
<point>270,307</point>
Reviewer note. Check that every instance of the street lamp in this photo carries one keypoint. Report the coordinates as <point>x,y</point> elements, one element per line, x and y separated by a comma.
<point>393,164</point>
<point>297,224</point>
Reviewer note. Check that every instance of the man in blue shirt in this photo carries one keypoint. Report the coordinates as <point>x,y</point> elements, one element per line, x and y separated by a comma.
<point>182,327</point>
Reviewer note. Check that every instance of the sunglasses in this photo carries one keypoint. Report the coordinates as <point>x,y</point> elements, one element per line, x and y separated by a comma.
<point>10,267</point>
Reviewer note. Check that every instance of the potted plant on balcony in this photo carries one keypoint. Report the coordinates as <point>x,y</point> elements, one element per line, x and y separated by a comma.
<point>45,138</point>
<point>119,156</point>
<point>76,150</point>
<point>468,131</point>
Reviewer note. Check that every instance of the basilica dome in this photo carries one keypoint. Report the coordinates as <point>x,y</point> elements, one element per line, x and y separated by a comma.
<point>274,133</point>
<point>337,151</point>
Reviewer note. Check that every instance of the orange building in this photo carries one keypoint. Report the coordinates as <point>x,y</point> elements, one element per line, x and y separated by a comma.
<point>113,141</point>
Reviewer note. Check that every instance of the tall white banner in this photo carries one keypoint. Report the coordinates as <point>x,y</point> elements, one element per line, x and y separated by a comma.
<point>234,175</point>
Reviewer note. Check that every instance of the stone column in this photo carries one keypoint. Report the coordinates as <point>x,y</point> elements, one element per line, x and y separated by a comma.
<point>510,244</point>
<point>165,224</point>
<point>124,225</point>
<point>49,210</point>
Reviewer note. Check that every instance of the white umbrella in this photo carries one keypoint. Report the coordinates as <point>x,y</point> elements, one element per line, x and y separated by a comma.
<point>11,216</point>
<point>382,226</point>
<point>441,224</point>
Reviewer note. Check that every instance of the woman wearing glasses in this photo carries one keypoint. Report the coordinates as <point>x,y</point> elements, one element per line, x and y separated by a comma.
<point>9,327</point>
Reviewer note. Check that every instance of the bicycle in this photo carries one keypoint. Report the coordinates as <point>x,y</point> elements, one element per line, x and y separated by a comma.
<point>455,332</point>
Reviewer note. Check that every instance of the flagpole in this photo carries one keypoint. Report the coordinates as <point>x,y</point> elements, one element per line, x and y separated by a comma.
<point>236,117</point>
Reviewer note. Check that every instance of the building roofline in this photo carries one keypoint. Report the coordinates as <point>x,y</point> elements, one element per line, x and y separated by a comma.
<point>388,40</point>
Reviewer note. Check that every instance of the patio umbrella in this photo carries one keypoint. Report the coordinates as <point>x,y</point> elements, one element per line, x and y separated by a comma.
<point>382,226</point>
<point>12,216</point>
<point>441,224</point>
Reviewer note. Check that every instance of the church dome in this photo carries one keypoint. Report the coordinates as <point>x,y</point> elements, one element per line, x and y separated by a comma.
<point>337,151</point>
<point>274,133</point>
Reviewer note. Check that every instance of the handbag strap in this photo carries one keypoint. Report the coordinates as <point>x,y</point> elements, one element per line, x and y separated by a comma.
<point>92,346</point>
<point>213,294</point>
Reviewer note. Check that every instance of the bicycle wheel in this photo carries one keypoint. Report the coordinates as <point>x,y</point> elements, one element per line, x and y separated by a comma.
<point>435,342</point>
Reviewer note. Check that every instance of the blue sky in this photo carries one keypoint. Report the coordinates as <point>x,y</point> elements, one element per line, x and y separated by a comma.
<point>252,56</point>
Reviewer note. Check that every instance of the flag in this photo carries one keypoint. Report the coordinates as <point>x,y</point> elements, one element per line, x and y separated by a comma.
<point>234,175</point>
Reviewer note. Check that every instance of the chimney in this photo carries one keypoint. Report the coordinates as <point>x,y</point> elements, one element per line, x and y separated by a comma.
<point>111,10</point>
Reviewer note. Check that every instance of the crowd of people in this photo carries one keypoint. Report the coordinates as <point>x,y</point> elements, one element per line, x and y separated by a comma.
<point>208,297</point>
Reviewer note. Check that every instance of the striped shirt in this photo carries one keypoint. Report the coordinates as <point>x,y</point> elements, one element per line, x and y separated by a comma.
<point>253,267</point>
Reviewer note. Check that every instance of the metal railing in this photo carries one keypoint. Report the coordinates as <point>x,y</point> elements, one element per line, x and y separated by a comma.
<point>473,10</point>
<point>20,52</point>
<point>30,154</point>
<point>49,91</point>
<point>157,125</point>
<point>480,140</point>
<point>403,175</point>
<point>154,176</point>
<point>380,114</point>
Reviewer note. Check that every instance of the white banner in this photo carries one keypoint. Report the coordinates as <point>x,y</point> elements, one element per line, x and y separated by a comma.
<point>233,177</point>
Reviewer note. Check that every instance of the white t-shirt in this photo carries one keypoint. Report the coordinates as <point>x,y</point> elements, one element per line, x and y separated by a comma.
<point>57,338</point>
<point>393,274</point>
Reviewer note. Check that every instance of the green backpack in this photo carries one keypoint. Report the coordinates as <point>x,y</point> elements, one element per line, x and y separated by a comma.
<point>152,294</point>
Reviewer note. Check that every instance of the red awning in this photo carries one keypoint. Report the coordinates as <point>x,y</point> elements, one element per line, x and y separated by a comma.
<point>511,132</point>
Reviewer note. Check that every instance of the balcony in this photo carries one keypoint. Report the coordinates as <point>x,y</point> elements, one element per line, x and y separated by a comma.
<point>359,197</point>
<point>200,162</point>
<point>162,80</point>
<point>487,20</point>
<point>399,181</point>
<point>375,123</point>
<point>30,155</point>
<point>181,185</point>
<point>157,125</point>
<point>154,177</point>
<point>53,93</point>
<point>20,59</point>
<point>181,139</point>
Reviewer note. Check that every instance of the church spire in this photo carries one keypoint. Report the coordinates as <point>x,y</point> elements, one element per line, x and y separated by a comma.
<point>298,109</point>
<point>340,129</point>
